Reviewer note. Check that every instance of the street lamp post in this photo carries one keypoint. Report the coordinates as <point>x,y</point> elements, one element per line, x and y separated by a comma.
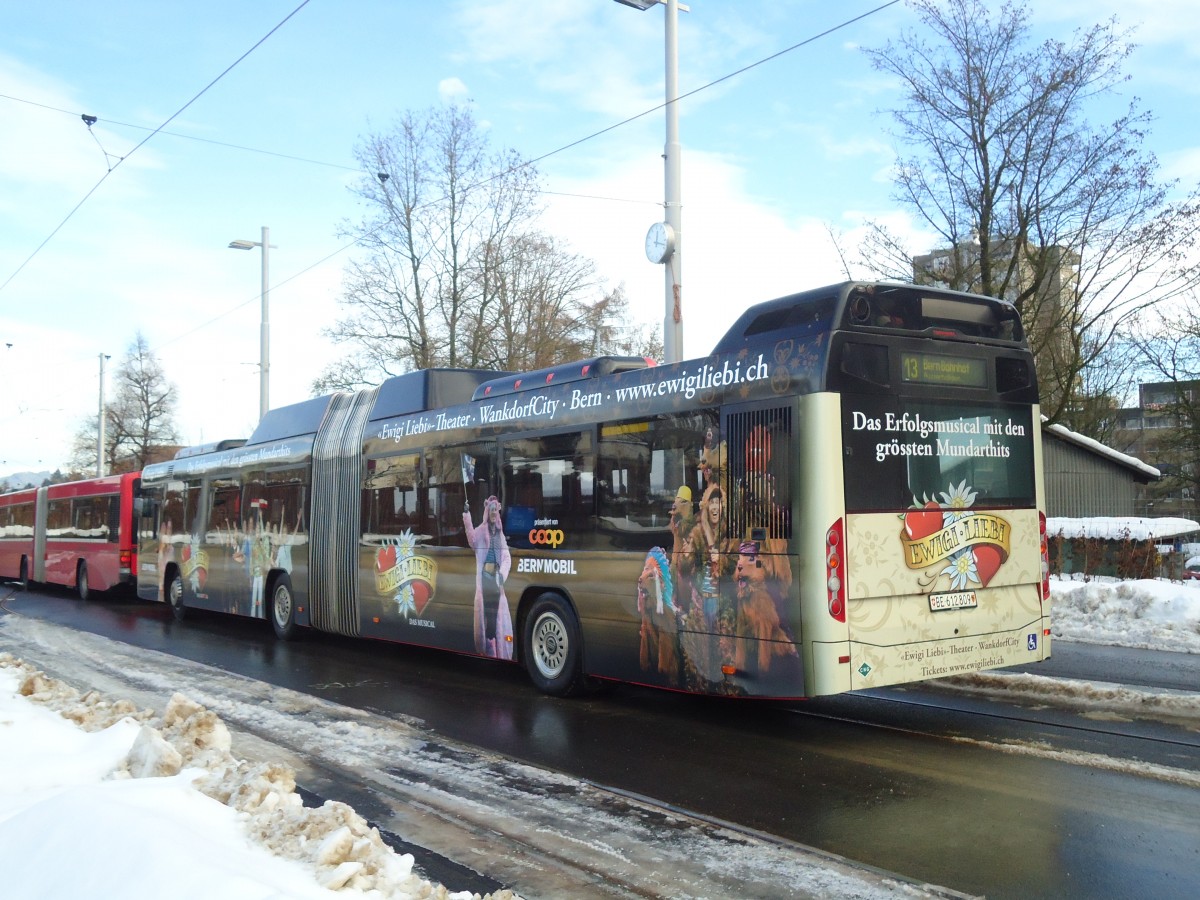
<point>264,349</point>
<point>101,468</point>
<point>663,244</point>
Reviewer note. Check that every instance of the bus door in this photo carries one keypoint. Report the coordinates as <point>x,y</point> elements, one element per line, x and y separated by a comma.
<point>146,506</point>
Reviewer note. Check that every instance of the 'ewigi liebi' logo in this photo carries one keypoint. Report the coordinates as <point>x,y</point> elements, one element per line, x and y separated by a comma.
<point>967,546</point>
<point>410,580</point>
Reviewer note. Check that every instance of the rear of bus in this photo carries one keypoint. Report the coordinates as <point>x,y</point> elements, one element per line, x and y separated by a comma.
<point>935,562</point>
<point>89,541</point>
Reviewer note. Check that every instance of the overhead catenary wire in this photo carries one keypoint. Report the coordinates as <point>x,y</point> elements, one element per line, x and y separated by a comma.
<point>383,176</point>
<point>161,130</point>
<point>146,139</point>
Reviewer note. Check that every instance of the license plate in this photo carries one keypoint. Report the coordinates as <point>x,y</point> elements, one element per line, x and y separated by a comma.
<point>955,600</point>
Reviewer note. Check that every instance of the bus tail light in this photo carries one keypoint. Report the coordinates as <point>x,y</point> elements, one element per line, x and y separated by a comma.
<point>127,562</point>
<point>1045,556</point>
<point>835,571</point>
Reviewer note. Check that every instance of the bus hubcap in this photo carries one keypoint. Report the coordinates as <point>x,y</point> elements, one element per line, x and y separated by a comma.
<point>550,645</point>
<point>283,606</point>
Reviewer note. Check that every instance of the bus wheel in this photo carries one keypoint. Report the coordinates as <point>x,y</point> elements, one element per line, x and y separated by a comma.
<point>23,581</point>
<point>552,646</point>
<point>283,607</point>
<point>81,582</point>
<point>175,597</point>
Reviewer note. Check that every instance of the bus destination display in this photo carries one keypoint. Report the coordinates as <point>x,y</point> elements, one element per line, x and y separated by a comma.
<point>934,368</point>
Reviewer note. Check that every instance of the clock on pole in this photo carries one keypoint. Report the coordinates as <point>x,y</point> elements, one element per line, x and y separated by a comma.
<point>660,242</point>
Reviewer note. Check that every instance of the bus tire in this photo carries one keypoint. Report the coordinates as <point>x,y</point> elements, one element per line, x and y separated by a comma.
<point>283,607</point>
<point>552,648</point>
<point>23,580</point>
<point>175,596</point>
<point>81,582</point>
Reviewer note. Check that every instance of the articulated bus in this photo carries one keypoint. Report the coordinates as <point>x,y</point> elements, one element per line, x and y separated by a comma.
<point>78,534</point>
<point>845,494</point>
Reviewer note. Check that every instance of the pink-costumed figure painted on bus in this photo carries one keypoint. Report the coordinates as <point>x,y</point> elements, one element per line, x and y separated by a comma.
<point>493,620</point>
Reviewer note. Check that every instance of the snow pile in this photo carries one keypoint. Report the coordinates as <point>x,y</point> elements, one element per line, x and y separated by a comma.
<point>1150,614</point>
<point>124,776</point>
<point>1090,698</point>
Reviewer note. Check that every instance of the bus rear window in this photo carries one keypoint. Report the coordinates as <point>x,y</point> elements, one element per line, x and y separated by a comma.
<point>904,453</point>
<point>910,308</point>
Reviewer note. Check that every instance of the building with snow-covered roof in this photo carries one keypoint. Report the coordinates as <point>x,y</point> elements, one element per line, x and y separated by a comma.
<point>1084,478</point>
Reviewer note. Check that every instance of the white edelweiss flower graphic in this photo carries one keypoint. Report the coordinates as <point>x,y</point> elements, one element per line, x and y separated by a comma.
<point>957,502</point>
<point>406,543</point>
<point>405,601</point>
<point>962,570</point>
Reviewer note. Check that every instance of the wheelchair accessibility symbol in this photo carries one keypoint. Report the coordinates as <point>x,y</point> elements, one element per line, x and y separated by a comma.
<point>1031,641</point>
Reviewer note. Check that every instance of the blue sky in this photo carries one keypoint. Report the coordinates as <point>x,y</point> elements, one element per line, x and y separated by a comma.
<point>772,159</point>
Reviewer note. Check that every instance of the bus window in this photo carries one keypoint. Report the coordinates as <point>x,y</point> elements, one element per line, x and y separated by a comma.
<point>649,469</point>
<point>390,495</point>
<point>548,484</point>
<point>58,518</point>
<point>224,514</point>
<point>20,521</point>
<point>457,476</point>
<point>193,511</point>
<point>274,501</point>
<point>911,452</point>
<point>113,522</point>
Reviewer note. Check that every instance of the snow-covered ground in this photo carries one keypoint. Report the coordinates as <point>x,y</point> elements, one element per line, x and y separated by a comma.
<point>1153,615</point>
<point>100,799</point>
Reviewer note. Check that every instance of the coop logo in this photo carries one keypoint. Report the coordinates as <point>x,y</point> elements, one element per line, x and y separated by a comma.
<point>551,537</point>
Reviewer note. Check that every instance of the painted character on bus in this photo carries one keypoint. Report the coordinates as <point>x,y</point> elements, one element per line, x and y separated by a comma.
<point>259,556</point>
<point>757,493</point>
<point>703,554</point>
<point>493,620</point>
<point>708,624</point>
<point>166,555</point>
<point>683,520</point>
<point>659,630</point>
<point>762,580</point>
<point>713,457</point>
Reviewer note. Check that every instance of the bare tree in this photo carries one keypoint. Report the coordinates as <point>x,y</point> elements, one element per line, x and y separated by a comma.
<point>540,312</point>
<point>1169,349</point>
<point>455,272</point>
<point>140,418</point>
<point>1031,201</point>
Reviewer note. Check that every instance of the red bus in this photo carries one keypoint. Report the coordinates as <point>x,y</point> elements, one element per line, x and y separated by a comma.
<point>79,534</point>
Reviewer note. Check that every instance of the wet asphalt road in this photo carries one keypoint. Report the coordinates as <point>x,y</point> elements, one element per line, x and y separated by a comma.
<point>872,778</point>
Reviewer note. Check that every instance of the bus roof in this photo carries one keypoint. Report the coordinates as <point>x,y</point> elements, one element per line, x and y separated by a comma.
<point>398,396</point>
<point>875,305</point>
<point>512,382</point>
<point>428,389</point>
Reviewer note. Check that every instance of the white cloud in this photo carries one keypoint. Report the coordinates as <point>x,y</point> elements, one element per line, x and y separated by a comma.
<point>452,90</point>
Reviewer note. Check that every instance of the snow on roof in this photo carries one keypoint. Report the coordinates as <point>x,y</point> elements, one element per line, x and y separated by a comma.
<point>1121,527</point>
<point>1102,450</point>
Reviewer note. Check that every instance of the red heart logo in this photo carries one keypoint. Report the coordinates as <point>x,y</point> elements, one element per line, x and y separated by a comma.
<point>921,524</point>
<point>987,561</point>
<point>421,595</point>
<point>385,559</point>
